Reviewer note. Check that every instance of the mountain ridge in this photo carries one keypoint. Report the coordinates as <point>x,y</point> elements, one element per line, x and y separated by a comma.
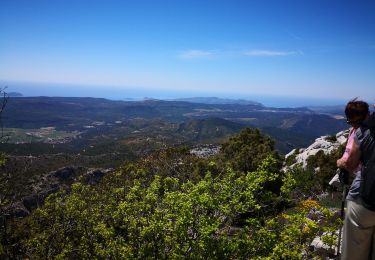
<point>290,127</point>
<point>217,100</point>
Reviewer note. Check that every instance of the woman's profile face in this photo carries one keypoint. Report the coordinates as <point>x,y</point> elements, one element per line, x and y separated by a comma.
<point>354,121</point>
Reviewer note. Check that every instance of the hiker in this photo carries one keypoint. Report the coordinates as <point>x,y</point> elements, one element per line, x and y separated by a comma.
<point>359,224</point>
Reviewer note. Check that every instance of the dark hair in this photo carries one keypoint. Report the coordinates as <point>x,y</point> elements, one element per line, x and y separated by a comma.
<point>356,109</point>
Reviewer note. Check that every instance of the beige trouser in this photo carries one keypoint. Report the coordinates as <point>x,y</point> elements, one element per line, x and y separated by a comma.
<point>358,235</point>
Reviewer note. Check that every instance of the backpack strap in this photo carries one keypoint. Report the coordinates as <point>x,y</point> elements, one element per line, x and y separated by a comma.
<point>367,185</point>
<point>370,122</point>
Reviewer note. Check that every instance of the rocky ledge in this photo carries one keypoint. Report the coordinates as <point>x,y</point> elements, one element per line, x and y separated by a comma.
<point>327,144</point>
<point>51,183</point>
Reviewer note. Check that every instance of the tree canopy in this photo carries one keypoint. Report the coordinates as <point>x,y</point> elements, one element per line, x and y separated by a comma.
<point>246,151</point>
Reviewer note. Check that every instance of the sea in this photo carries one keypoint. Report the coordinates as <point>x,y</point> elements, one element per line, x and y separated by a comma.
<point>28,89</point>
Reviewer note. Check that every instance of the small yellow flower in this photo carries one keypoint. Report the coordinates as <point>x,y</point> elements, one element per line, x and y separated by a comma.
<point>306,230</point>
<point>284,216</point>
<point>309,204</point>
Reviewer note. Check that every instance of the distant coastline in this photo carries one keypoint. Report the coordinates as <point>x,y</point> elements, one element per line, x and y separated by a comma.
<point>132,93</point>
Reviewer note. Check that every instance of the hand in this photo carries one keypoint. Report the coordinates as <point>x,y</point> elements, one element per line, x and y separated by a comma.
<point>339,163</point>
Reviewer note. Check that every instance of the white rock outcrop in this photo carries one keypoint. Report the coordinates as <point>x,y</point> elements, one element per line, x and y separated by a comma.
<point>205,151</point>
<point>323,143</point>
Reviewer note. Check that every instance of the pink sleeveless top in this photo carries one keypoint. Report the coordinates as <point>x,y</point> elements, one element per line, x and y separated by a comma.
<point>348,148</point>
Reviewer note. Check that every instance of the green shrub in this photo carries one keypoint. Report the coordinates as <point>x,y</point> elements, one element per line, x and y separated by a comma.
<point>246,151</point>
<point>331,138</point>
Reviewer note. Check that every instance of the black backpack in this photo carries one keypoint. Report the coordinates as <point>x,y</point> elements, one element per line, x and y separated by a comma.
<point>367,186</point>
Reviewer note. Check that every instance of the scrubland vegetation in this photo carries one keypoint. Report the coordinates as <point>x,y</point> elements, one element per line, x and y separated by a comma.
<point>172,204</point>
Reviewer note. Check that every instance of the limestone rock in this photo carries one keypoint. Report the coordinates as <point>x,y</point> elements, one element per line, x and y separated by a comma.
<point>326,144</point>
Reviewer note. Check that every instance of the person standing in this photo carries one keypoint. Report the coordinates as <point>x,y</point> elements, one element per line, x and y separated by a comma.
<point>359,224</point>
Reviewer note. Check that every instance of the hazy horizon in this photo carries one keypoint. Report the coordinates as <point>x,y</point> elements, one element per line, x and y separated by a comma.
<point>29,89</point>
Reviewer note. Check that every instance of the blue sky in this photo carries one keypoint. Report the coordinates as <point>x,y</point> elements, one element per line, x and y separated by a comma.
<point>316,49</point>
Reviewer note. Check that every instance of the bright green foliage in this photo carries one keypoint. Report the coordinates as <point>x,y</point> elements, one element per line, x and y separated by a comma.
<point>173,205</point>
<point>163,217</point>
<point>159,219</point>
<point>248,149</point>
<point>288,235</point>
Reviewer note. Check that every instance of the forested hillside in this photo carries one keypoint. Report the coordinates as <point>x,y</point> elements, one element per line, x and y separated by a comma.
<point>66,124</point>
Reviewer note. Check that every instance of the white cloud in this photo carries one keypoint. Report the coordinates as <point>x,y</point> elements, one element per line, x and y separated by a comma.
<point>196,54</point>
<point>201,54</point>
<point>269,53</point>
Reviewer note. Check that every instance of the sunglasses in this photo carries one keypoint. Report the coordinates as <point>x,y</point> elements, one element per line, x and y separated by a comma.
<point>351,122</point>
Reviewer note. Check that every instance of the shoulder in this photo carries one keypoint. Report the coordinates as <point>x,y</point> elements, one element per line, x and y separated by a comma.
<point>360,132</point>
<point>364,136</point>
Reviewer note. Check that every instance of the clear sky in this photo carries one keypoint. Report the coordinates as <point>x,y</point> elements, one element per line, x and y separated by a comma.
<point>321,49</point>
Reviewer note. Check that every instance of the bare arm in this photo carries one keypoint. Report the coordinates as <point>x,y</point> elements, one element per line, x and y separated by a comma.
<point>353,160</point>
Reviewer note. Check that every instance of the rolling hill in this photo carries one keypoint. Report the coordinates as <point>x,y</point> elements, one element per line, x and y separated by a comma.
<point>100,119</point>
